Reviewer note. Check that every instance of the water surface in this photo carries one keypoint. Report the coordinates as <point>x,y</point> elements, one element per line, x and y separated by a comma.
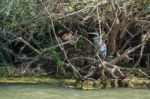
<point>40,91</point>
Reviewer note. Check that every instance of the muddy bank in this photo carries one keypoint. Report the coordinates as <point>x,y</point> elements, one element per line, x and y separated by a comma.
<point>131,82</point>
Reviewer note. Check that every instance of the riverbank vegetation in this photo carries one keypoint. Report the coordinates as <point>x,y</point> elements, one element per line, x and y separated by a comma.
<point>51,38</point>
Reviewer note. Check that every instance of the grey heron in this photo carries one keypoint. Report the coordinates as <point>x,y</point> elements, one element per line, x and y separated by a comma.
<point>99,44</point>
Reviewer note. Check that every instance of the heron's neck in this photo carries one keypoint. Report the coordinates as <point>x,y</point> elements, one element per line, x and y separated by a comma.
<point>98,39</point>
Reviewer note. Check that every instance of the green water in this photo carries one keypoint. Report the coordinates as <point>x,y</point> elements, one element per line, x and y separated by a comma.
<point>24,91</point>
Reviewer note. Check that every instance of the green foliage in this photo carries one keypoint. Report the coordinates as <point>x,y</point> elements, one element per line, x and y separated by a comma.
<point>57,58</point>
<point>51,53</point>
<point>5,63</point>
<point>3,70</point>
<point>22,17</point>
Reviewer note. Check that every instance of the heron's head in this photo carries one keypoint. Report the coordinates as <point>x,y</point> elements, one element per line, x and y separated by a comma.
<point>94,34</point>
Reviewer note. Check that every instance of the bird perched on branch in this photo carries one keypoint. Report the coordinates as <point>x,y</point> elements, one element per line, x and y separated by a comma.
<point>99,44</point>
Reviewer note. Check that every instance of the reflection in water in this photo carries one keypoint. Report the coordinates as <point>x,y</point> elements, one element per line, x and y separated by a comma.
<point>39,91</point>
